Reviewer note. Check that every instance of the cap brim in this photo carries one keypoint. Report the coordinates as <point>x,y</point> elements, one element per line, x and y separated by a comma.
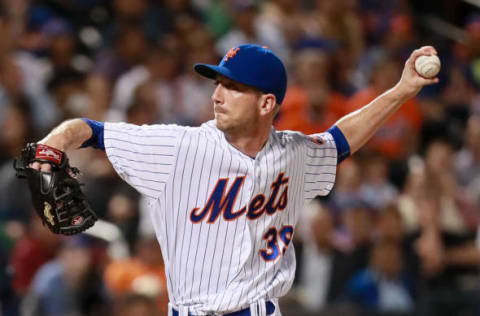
<point>211,71</point>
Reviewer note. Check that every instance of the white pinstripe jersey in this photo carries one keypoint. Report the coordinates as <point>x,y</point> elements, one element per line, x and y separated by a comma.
<point>223,219</point>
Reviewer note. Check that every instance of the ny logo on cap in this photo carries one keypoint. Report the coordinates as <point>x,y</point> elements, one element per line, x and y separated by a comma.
<point>231,53</point>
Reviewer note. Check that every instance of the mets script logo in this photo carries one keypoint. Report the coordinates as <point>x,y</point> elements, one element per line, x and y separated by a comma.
<point>49,153</point>
<point>221,203</point>
<point>231,53</point>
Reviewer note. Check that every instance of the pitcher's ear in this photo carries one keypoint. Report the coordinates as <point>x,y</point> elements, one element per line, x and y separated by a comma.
<point>267,103</point>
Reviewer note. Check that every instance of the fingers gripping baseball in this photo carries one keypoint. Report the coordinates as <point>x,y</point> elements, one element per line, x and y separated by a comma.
<point>412,80</point>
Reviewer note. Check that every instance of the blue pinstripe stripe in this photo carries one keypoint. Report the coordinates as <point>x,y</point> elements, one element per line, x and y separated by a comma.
<point>139,144</point>
<point>321,165</point>
<point>144,179</point>
<point>145,187</point>
<point>314,182</point>
<point>141,161</point>
<point>216,236</point>
<point>317,157</point>
<point>283,166</point>
<point>139,153</point>
<point>143,170</point>
<point>178,205</point>
<point>226,234</point>
<point>140,135</point>
<point>244,228</point>
<point>173,203</point>
<point>315,190</point>
<point>147,128</point>
<point>242,202</point>
<point>320,148</point>
<point>188,198</point>
<point>324,181</point>
<point>278,217</point>
<point>209,226</point>
<point>201,224</point>
<point>196,203</point>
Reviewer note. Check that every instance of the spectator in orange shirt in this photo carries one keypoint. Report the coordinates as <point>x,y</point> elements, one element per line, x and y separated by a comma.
<point>397,137</point>
<point>310,105</point>
<point>143,273</point>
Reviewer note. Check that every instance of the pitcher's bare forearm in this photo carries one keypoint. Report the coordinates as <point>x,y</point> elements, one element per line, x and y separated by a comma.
<point>359,126</point>
<point>70,134</point>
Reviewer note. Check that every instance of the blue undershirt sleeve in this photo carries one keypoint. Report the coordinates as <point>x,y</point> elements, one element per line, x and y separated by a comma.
<point>96,141</point>
<point>343,148</point>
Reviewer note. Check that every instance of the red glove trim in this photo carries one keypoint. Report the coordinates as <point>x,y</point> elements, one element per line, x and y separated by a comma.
<point>45,152</point>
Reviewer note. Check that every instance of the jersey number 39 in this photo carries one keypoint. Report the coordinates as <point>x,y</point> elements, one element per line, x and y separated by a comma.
<point>271,236</point>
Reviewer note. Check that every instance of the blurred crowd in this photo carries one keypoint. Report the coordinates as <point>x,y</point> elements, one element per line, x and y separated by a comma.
<point>397,235</point>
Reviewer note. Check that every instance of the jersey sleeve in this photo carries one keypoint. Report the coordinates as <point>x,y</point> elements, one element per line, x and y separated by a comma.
<point>320,164</point>
<point>143,156</point>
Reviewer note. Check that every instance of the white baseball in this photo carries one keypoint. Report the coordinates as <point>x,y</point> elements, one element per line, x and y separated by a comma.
<point>427,66</point>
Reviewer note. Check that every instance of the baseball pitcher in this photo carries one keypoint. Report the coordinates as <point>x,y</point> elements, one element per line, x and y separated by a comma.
<point>224,197</point>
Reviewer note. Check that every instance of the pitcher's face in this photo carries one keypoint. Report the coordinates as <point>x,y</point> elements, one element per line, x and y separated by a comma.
<point>236,106</point>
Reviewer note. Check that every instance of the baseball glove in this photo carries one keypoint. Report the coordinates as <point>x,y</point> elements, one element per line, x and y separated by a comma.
<point>56,195</point>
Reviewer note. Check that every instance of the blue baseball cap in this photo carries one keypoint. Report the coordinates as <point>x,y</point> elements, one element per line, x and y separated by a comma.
<point>253,65</point>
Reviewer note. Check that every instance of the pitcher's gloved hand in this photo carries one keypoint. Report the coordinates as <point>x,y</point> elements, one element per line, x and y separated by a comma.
<point>56,195</point>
